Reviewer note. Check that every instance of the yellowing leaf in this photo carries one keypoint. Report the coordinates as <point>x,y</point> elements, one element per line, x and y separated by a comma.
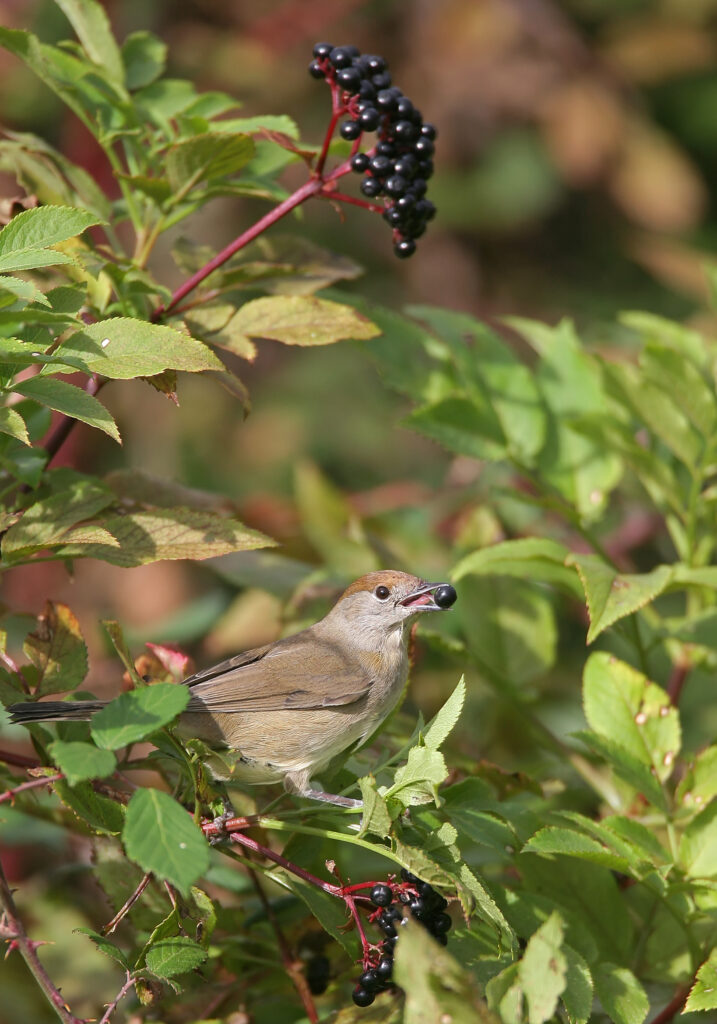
<point>302,320</point>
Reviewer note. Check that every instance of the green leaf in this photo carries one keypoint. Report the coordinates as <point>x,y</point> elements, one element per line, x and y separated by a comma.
<point>375,817</point>
<point>70,400</point>
<point>698,846</point>
<point>161,837</point>
<point>486,906</point>
<point>622,996</point>
<point>440,727</point>
<point>626,766</point>
<point>30,232</point>
<point>535,558</point>
<point>45,523</point>
<point>542,970</point>
<point>212,155</point>
<point>623,706</point>
<point>57,650</point>
<point>554,839</point>
<point>138,538</point>
<point>144,56</point>
<point>577,996</point>
<point>90,22</point>
<point>437,988</point>
<point>105,946</point>
<point>93,810</point>
<point>416,781</point>
<point>81,761</point>
<point>301,320</point>
<point>330,524</point>
<point>170,957</point>
<point>26,291</point>
<point>699,783</point>
<point>462,425</point>
<point>137,714</point>
<point>703,994</point>
<point>611,595</point>
<point>122,348</point>
<point>12,423</point>
<point>490,371</point>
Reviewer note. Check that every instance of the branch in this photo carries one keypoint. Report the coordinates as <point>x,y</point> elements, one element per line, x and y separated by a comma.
<point>10,794</point>
<point>11,928</point>
<point>674,1006</point>
<point>676,682</point>
<point>295,973</point>
<point>127,905</point>
<point>129,984</point>
<point>18,760</point>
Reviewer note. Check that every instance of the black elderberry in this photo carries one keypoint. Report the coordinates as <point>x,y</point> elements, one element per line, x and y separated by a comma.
<point>424,168</point>
<point>405,131</point>
<point>349,79</point>
<point>404,107</point>
<point>380,166</point>
<point>370,980</point>
<point>382,80</point>
<point>386,101</point>
<point>375,63</point>
<point>429,130</point>
<point>441,924</point>
<point>315,70</point>
<point>417,906</point>
<point>381,895</point>
<point>322,50</point>
<point>387,927</point>
<point>317,974</point>
<point>350,130</point>
<point>340,57</point>
<point>384,148</point>
<point>392,914</point>
<point>419,186</point>
<point>407,876</point>
<point>406,165</point>
<point>389,944</point>
<point>384,968</point>
<point>417,230</point>
<point>423,147</point>
<point>425,889</point>
<point>352,50</point>
<point>405,204</point>
<point>369,119</point>
<point>359,162</point>
<point>396,185</point>
<point>405,248</point>
<point>362,997</point>
<point>367,91</point>
<point>371,187</point>
<point>404,897</point>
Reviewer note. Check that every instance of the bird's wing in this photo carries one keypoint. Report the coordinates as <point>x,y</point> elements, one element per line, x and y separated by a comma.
<point>303,671</point>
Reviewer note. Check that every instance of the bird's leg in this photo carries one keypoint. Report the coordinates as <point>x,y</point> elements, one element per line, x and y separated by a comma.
<point>332,798</point>
<point>221,820</point>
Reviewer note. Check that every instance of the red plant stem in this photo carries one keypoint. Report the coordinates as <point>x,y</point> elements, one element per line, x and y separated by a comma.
<point>10,794</point>
<point>341,197</point>
<point>676,682</point>
<point>674,1006</point>
<point>11,928</point>
<point>310,188</point>
<point>351,904</point>
<point>127,905</point>
<point>19,760</point>
<point>327,142</point>
<point>251,844</point>
<point>62,430</point>
<point>292,969</point>
<point>129,984</point>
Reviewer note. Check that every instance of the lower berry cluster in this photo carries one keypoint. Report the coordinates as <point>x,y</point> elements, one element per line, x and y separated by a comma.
<point>393,901</point>
<point>401,162</point>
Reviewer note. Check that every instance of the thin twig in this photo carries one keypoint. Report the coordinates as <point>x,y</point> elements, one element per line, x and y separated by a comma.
<point>18,760</point>
<point>674,1006</point>
<point>341,197</point>
<point>291,967</point>
<point>676,682</point>
<point>10,794</point>
<point>11,928</point>
<point>128,904</point>
<point>128,985</point>
<point>294,869</point>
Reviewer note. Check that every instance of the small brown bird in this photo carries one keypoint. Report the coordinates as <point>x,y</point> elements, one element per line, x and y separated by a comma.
<point>283,711</point>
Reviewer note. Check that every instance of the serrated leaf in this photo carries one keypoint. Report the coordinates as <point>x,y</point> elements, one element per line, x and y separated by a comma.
<point>70,400</point>
<point>375,817</point>
<point>440,727</point>
<point>462,426</point>
<point>698,846</point>
<point>302,320</point>
<point>81,761</point>
<point>122,348</point>
<point>169,957</point>
<point>12,423</point>
<point>626,766</point>
<point>137,714</point>
<point>486,906</point>
<point>577,997</point>
<point>45,522</point>
<point>611,595</point>
<point>90,22</point>
<point>535,558</point>
<point>416,781</point>
<point>156,534</point>
<point>622,996</point>
<point>554,839</point>
<point>212,155</point>
<point>699,784</point>
<point>623,706</point>
<point>57,650</point>
<point>703,994</point>
<point>93,810</point>
<point>161,837</point>
<point>23,240</point>
<point>26,291</point>
<point>105,946</point>
<point>542,971</point>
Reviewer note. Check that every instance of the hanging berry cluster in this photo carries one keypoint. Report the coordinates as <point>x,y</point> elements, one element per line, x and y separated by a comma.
<point>400,163</point>
<point>393,900</point>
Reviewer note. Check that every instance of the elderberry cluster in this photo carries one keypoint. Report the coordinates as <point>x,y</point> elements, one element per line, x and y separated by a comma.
<point>424,904</point>
<point>400,164</point>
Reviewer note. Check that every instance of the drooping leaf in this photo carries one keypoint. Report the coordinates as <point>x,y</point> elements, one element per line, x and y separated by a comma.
<point>302,320</point>
<point>621,994</point>
<point>161,837</point>
<point>542,971</point>
<point>169,957</point>
<point>70,400</point>
<point>137,714</point>
<point>611,595</point>
<point>57,650</point>
<point>536,558</point>
<point>80,761</point>
<point>201,157</point>
<point>98,812</point>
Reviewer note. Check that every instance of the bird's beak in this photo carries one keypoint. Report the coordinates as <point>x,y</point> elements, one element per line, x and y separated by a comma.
<point>423,598</point>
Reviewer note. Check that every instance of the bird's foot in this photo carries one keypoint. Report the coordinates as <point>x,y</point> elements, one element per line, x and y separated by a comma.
<point>332,798</point>
<point>220,822</point>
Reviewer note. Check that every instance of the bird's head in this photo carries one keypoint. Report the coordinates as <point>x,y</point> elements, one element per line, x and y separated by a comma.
<point>388,599</point>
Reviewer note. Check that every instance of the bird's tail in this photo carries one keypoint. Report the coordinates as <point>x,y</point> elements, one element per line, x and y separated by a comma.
<point>55,711</point>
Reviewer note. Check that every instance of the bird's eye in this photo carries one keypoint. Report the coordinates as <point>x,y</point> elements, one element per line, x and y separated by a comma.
<point>382,593</point>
